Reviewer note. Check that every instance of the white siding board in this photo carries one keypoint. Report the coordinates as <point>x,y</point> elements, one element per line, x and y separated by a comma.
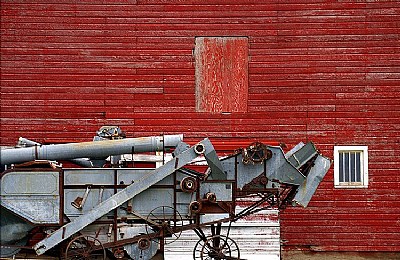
<point>258,237</point>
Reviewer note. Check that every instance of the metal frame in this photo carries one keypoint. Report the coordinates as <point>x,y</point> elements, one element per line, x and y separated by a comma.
<point>218,191</point>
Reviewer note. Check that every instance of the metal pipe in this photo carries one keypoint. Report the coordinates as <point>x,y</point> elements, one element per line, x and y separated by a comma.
<point>97,149</point>
<point>84,162</point>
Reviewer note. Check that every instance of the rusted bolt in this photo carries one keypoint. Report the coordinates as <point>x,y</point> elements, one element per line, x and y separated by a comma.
<point>195,207</point>
<point>263,180</point>
<point>119,253</point>
<point>144,243</point>
<point>211,197</point>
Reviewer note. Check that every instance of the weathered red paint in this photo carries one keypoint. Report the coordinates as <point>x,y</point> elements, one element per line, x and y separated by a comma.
<point>221,74</point>
<point>324,71</point>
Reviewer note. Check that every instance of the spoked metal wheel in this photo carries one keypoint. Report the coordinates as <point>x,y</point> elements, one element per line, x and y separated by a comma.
<point>85,248</point>
<point>166,221</point>
<point>216,247</point>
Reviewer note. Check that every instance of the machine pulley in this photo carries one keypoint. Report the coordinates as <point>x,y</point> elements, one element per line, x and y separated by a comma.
<point>256,153</point>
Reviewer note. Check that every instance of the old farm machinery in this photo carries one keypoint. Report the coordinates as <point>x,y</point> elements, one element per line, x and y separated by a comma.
<point>96,212</point>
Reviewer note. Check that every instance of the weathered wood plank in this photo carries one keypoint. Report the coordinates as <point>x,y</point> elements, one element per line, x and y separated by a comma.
<point>221,74</point>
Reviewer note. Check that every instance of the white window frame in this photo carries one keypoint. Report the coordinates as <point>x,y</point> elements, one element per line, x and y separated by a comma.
<point>363,150</point>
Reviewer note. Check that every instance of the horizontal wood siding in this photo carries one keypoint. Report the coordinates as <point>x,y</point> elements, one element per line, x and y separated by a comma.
<point>326,71</point>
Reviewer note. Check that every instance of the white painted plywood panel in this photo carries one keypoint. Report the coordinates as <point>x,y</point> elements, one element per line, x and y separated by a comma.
<point>258,237</point>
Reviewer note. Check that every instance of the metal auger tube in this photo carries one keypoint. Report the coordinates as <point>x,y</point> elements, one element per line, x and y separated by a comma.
<point>97,149</point>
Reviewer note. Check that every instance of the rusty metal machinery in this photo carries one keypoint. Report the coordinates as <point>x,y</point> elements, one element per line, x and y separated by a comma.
<point>88,213</point>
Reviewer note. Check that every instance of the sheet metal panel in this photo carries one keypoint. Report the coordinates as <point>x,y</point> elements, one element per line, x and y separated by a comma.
<point>32,195</point>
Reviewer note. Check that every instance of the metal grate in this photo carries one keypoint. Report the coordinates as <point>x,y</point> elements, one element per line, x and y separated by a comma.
<point>350,167</point>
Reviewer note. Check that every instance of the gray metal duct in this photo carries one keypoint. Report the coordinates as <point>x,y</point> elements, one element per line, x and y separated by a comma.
<point>98,149</point>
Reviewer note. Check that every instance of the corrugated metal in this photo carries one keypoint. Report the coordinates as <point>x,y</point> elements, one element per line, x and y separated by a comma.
<point>324,71</point>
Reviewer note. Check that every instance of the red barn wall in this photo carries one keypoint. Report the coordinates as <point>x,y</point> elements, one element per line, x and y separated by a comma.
<point>326,71</point>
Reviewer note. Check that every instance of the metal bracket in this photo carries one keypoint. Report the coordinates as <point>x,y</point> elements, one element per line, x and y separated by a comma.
<point>80,201</point>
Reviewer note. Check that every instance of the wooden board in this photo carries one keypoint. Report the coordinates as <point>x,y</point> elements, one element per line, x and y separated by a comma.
<point>221,74</point>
